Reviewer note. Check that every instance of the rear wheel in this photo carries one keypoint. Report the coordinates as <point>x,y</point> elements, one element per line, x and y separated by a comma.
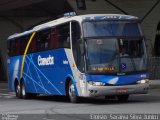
<point>123,98</point>
<point>24,94</point>
<point>17,90</point>
<point>71,93</point>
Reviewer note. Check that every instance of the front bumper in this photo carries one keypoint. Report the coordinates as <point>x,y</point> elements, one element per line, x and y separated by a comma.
<point>93,91</point>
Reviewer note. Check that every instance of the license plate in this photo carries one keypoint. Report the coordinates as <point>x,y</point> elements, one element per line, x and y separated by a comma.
<point>122,90</point>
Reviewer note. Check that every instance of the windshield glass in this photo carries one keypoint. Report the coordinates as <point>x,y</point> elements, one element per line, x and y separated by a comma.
<point>132,55</point>
<point>114,55</point>
<point>102,55</point>
<point>111,28</point>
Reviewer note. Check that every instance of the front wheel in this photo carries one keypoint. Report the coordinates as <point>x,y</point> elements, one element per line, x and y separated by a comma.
<point>123,98</point>
<point>71,93</point>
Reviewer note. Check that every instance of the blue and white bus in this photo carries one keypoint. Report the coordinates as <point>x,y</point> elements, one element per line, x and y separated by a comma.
<point>80,56</point>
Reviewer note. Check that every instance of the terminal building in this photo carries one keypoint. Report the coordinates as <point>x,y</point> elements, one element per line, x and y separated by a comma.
<point>18,16</point>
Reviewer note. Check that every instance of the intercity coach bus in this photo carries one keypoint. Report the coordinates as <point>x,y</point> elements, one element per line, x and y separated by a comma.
<point>80,56</point>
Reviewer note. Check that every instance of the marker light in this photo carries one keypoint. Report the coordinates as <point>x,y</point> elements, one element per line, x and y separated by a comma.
<point>96,83</point>
<point>143,81</point>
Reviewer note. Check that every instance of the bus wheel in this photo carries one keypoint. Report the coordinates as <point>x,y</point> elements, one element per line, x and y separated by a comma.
<point>24,95</point>
<point>71,93</point>
<point>123,98</point>
<point>17,90</point>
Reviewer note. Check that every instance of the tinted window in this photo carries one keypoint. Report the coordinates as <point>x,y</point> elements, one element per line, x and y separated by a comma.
<point>54,41</point>
<point>77,46</point>
<point>23,41</point>
<point>11,47</point>
<point>113,28</point>
<point>42,40</point>
<point>64,35</point>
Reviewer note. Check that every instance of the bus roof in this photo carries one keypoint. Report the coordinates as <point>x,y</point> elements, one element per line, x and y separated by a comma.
<point>80,18</point>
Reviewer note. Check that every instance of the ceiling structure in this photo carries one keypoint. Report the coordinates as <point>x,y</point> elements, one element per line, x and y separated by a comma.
<point>10,10</point>
<point>33,8</point>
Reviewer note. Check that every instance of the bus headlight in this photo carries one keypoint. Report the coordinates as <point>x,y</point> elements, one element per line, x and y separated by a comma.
<point>143,81</point>
<point>96,83</point>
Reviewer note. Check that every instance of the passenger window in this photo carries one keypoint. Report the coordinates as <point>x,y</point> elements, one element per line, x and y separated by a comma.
<point>12,47</point>
<point>24,41</point>
<point>42,40</point>
<point>17,46</point>
<point>64,35</point>
<point>8,47</point>
<point>33,47</point>
<point>54,41</point>
<point>10,50</point>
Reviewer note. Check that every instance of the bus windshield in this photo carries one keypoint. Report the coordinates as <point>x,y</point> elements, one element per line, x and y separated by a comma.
<point>115,55</point>
<point>111,28</point>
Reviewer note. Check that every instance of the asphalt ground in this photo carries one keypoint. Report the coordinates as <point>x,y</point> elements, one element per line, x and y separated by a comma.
<point>59,108</point>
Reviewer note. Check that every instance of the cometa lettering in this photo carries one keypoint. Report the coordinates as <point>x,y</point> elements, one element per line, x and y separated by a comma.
<point>45,61</point>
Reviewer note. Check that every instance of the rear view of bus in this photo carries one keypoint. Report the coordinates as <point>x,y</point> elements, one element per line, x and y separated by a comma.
<point>114,52</point>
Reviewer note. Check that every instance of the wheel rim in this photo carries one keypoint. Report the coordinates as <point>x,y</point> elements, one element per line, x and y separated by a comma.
<point>17,89</point>
<point>23,91</point>
<point>71,90</point>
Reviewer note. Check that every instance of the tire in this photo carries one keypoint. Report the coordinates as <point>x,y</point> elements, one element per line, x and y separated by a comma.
<point>71,93</point>
<point>17,90</point>
<point>23,93</point>
<point>123,98</point>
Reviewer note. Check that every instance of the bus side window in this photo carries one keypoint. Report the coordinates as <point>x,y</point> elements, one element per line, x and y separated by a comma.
<point>21,47</point>
<point>17,46</point>
<point>32,46</point>
<point>24,41</point>
<point>38,42</point>
<point>56,38</point>
<point>42,40</point>
<point>9,45</point>
<point>12,47</point>
<point>45,39</point>
<point>64,33</point>
<point>54,41</point>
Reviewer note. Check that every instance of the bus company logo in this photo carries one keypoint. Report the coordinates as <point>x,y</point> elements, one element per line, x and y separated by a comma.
<point>45,61</point>
<point>65,62</point>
